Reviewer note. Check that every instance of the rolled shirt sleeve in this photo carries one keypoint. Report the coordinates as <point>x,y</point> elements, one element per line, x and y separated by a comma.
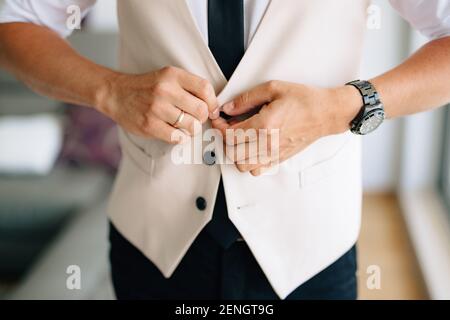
<point>50,13</point>
<point>430,17</point>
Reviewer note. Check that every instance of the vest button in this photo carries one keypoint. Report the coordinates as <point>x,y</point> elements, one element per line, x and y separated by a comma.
<point>201,203</point>
<point>209,157</point>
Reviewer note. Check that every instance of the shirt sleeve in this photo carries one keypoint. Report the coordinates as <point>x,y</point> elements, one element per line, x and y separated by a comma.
<point>50,13</point>
<point>430,17</point>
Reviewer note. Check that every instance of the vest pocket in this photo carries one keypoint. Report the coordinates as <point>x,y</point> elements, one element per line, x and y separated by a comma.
<point>325,168</point>
<point>135,153</point>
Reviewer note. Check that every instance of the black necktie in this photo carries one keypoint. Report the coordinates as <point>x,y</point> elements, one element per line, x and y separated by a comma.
<point>226,33</point>
<point>226,42</point>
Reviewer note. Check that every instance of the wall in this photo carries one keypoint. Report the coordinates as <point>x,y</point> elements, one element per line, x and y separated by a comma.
<point>385,48</point>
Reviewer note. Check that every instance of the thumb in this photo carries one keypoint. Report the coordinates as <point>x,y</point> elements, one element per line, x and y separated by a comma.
<point>249,100</point>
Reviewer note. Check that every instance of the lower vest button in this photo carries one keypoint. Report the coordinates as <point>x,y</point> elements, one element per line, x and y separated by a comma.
<point>201,203</point>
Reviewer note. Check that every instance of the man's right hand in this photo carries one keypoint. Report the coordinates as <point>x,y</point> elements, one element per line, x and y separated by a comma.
<point>148,105</point>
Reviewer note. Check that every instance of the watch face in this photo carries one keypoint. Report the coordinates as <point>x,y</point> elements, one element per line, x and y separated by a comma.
<point>372,121</point>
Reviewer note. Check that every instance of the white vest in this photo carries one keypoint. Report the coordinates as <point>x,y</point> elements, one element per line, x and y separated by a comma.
<point>297,221</point>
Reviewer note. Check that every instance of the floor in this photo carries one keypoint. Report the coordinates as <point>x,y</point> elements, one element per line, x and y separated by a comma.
<point>387,265</point>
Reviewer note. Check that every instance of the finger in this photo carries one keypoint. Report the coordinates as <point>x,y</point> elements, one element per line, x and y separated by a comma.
<point>220,124</point>
<point>233,121</point>
<point>170,114</point>
<point>189,103</point>
<point>251,99</point>
<point>188,123</point>
<point>242,152</point>
<point>162,131</point>
<point>244,131</point>
<point>260,171</point>
<point>252,164</point>
<point>268,163</point>
<point>201,88</point>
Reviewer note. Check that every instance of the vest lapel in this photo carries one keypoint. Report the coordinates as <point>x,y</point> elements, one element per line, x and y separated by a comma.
<point>216,73</point>
<point>265,23</point>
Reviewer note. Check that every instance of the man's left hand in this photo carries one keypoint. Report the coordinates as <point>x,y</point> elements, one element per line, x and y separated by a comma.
<point>300,115</point>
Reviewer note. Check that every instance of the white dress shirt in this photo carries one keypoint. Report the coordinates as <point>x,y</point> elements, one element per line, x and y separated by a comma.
<point>430,17</point>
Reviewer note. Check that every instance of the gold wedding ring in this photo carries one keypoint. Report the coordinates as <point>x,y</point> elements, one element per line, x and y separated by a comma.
<point>179,119</point>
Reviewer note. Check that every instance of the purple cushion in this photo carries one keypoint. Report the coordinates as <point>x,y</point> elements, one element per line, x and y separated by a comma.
<point>90,139</point>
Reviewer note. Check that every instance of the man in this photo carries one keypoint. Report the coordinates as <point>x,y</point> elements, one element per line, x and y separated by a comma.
<point>217,230</point>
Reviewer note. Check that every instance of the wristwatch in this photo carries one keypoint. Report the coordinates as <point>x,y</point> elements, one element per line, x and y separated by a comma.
<point>371,115</point>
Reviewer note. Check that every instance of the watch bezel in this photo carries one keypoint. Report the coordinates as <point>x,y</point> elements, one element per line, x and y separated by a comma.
<point>371,105</point>
<point>365,116</point>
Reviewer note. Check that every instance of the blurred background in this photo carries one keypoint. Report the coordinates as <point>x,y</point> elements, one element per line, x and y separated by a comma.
<point>57,164</point>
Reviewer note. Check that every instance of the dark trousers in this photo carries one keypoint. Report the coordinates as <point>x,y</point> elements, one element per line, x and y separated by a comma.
<point>210,272</point>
